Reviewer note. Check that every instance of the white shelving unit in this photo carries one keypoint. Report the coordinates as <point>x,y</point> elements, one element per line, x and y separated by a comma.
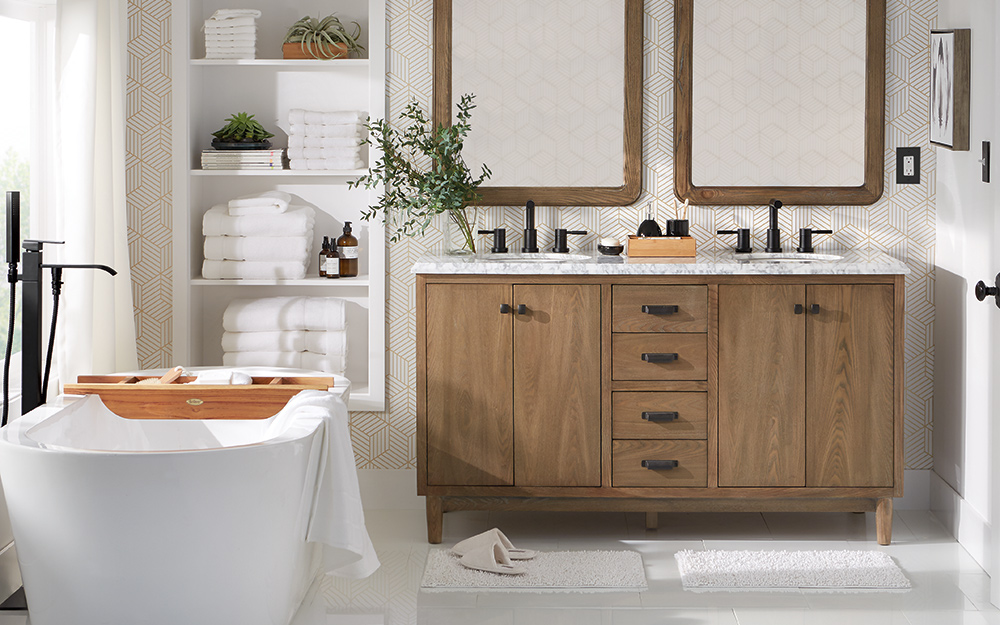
<point>205,92</point>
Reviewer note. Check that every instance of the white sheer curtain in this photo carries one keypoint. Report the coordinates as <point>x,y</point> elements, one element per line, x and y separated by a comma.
<point>96,331</point>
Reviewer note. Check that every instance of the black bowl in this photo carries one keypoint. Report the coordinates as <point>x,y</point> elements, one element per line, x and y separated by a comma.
<point>611,250</point>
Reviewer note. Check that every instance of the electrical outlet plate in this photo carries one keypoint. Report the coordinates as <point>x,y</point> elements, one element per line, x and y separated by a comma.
<point>907,165</point>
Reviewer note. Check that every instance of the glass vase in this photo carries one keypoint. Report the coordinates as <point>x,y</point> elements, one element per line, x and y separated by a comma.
<point>460,231</point>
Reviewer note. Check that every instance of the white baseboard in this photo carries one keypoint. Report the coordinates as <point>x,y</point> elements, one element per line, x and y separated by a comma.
<point>965,523</point>
<point>396,489</point>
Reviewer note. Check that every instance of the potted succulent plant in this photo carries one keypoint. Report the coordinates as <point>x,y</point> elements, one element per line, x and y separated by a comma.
<point>424,176</point>
<point>312,38</point>
<point>242,132</point>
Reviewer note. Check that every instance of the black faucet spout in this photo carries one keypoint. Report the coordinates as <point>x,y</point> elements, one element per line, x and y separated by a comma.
<point>773,233</point>
<point>530,245</point>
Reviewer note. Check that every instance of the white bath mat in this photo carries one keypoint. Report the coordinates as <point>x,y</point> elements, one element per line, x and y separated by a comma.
<point>789,569</point>
<point>552,571</point>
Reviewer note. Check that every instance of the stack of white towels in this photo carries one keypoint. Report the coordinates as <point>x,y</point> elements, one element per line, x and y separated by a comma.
<point>231,34</point>
<point>258,237</point>
<point>298,332</point>
<point>331,140</point>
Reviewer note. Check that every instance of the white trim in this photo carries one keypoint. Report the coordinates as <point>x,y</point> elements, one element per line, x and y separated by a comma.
<point>965,523</point>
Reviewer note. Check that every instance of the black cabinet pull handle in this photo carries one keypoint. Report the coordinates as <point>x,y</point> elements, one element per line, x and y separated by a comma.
<point>660,310</point>
<point>798,309</point>
<point>659,357</point>
<point>659,465</point>
<point>504,309</point>
<point>522,309</point>
<point>814,309</point>
<point>659,417</point>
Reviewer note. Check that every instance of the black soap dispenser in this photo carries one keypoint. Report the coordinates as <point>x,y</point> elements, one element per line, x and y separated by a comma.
<point>649,227</point>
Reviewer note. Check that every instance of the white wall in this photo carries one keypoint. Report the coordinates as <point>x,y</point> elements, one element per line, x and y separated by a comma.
<point>962,334</point>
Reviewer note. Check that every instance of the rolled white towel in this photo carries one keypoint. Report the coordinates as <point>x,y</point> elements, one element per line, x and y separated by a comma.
<point>324,153</point>
<point>253,270</point>
<point>336,363</point>
<point>279,341</point>
<point>326,163</point>
<point>297,221</point>
<point>329,342</point>
<point>268,202</point>
<point>223,376</point>
<point>263,359</point>
<point>323,130</point>
<point>229,15</point>
<point>324,314</point>
<point>302,141</point>
<point>259,248</point>
<point>265,314</point>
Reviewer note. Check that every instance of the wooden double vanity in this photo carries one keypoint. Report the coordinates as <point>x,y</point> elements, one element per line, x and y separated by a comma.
<point>639,385</point>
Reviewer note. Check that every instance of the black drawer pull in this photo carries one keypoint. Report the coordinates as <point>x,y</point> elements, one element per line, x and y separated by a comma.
<point>659,357</point>
<point>504,309</point>
<point>660,310</point>
<point>659,465</point>
<point>814,309</point>
<point>659,417</point>
<point>798,309</point>
<point>522,309</point>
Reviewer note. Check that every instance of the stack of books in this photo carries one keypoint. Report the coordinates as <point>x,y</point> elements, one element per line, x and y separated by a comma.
<point>242,159</point>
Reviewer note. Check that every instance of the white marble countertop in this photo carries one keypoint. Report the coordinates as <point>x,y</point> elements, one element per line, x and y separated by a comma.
<point>708,262</point>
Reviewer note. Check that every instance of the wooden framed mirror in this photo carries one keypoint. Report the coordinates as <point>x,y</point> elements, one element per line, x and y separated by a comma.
<point>558,86</point>
<point>779,99</point>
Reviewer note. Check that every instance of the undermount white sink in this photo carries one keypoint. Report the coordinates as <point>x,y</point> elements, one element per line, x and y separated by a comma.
<point>790,257</point>
<point>540,257</point>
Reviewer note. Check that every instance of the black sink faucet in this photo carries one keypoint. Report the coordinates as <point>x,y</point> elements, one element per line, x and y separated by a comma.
<point>530,234</point>
<point>773,233</point>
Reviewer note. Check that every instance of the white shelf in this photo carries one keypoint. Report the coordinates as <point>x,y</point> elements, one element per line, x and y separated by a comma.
<point>361,281</point>
<point>299,64</point>
<point>288,173</point>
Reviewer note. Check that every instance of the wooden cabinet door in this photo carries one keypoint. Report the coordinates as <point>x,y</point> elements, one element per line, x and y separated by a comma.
<point>761,385</point>
<point>849,381</point>
<point>557,385</point>
<point>469,365</point>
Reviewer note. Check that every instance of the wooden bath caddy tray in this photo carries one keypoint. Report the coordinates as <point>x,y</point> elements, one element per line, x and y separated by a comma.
<point>125,397</point>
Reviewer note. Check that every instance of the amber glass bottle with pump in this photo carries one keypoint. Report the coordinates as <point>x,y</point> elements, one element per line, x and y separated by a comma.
<point>348,245</point>
<point>332,260</point>
<point>323,253</point>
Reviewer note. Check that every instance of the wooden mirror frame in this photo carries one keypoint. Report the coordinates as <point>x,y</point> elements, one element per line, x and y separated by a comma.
<point>622,195</point>
<point>874,163</point>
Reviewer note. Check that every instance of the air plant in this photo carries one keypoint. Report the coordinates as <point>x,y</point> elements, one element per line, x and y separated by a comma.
<point>320,38</point>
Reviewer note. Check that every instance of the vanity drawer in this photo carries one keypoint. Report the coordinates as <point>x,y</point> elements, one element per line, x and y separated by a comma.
<point>691,458</point>
<point>671,415</point>
<point>659,357</point>
<point>659,308</point>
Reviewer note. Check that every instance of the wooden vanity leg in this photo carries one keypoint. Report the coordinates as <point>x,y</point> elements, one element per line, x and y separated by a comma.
<point>652,520</point>
<point>435,519</point>
<point>883,520</point>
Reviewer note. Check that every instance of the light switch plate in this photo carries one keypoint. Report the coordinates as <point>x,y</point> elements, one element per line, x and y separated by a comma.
<point>907,165</point>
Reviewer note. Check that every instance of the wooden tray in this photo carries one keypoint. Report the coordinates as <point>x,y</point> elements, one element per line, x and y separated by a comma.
<point>260,400</point>
<point>679,247</point>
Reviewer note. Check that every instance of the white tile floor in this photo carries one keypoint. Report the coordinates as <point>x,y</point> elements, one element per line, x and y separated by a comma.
<point>948,586</point>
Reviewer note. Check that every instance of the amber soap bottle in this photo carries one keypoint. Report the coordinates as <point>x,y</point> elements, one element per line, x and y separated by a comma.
<point>323,253</point>
<point>332,260</point>
<point>348,245</point>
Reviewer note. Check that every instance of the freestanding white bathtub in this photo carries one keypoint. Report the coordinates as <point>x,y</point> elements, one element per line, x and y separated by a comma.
<point>160,522</point>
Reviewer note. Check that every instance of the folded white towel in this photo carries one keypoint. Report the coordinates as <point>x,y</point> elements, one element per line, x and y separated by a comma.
<point>268,202</point>
<point>298,221</point>
<point>259,248</point>
<point>216,54</point>
<point>279,341</point>
<point>324,314</point>
<point>300,116</point>
<point>218,41</point>
<point>323,153</point>
<point>302,141</point>
<point>324,130</point>
<point>328,343</point>
<point>334,363</point>
<point>326,163</point>
<point>225,29</point>
<point>253,270</point>
<point>242,46</point>
<point>230,15</point>
<point>265,314</point>
<point>263,359</point>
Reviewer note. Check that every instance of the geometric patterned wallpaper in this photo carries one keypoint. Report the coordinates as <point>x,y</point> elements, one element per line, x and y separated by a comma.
<point>901,223</point>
